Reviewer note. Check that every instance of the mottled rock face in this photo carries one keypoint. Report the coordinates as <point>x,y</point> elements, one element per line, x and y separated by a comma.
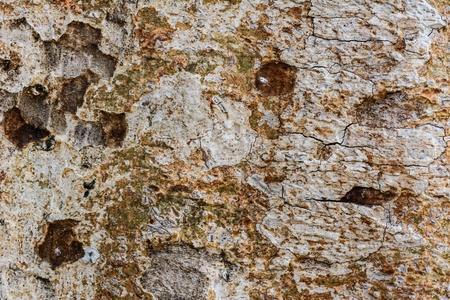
<point>224,149</point>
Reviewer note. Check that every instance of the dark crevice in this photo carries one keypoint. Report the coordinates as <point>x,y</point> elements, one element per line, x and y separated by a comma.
<point>363,196</point>
<point>367,196</point>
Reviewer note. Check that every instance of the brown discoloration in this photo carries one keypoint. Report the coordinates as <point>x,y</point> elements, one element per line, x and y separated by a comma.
<point>2,176</point>
<point>60,244</point>
<point>300,12</point>
<point>152,28</point>
<point>69,5</point>
<point>274,178</point>
<point>367,196</point>
<point>388,111</point>
<point>148,39</point>
<point>114,128</point>
<point>19,132</point>
<point>73,90</point>
<point>275,79</point>
<point>80,35</point>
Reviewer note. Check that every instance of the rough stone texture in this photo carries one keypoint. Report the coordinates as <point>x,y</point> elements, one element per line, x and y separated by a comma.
<point>224,149</point>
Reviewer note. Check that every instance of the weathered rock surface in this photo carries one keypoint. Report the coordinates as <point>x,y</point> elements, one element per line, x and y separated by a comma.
<point>224,149</point>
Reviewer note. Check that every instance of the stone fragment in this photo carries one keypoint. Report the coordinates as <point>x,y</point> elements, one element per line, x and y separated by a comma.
<point>87,134</point>
<point>176,273</point>
<point>60,244</point>
<point>90,255</point>
<point>114,128</point>
<point>76,51</point>
<point>72,91</point>
<point>33,105</point>
<point>415,146</point>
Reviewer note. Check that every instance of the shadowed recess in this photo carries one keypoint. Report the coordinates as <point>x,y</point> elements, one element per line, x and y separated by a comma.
<point>60,244</point>
<point>18,132</point>
<point>367,196</point>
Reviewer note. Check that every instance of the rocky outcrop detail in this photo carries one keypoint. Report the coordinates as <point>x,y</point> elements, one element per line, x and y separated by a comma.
<point>220,149</point>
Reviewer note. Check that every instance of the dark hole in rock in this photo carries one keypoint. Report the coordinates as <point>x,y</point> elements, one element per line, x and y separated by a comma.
<point>275,78</point>
<point>18,132</point>
<point>73,90</point>
<point>46,144</point>
<point>388,111</point>
<point>89,185</point>
<point>32,102</point>
<point>38,90</point>
<point>7,65</point>
<point>58,121</point>
<point>180,188</point>
<point>86,166</point>
<point>45,288</point>
<point>79,35</point>
<point>367,196</point>
<point>60,244</point>
<point>118,15</point>
<point>154,188</point>
<point>114,128</point>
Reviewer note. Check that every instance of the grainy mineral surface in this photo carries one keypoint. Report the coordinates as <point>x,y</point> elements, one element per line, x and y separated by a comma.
<point>224,149</point>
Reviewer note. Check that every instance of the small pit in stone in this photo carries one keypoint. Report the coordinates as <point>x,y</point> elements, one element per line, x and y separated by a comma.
<point>367,196</point>
<point>275,78</point>
<point>19,132</point>
<point>60,244</point>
